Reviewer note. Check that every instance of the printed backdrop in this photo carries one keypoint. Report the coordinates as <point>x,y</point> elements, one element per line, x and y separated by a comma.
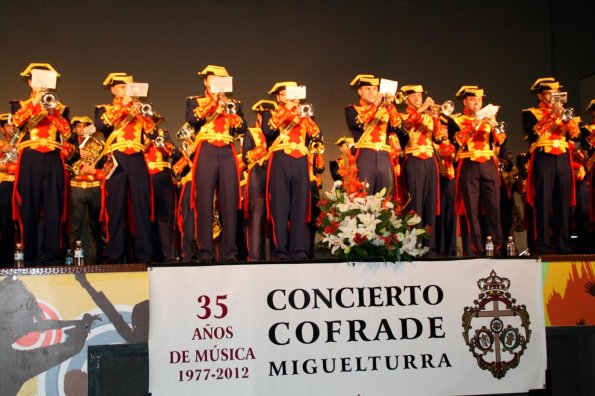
<point>49,320</point>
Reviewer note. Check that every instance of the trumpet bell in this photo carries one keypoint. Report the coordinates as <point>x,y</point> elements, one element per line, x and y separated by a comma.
<point>146,109</point>
<point>49,100</point>
<point>184,132</point>
<point>306,110</point>
<point>447,108</point>
<point>567,114</point>
<point>231,107</point>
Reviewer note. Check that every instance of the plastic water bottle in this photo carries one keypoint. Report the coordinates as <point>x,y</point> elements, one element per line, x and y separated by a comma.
<point>489,247</point>
<point>69,259</point>
<point>19,256</point>
<point>79,254</point>
<point>510,247</point>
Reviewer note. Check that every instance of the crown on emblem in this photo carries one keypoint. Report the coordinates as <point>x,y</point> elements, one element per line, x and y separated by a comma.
<point>493,283</point>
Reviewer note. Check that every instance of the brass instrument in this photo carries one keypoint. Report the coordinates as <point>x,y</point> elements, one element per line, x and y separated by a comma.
<point>231,106</point>
<point>316,147</point>
<point>306,110</point>
<point>397,99</point>
<point>12,156</point>
<point>446,108</point>
<point>500,127</point>
<point>146,110</point>
<point>567,114</point>
<point>217,228</point>
<point>184,133</point>
<point>49,100</point>
<point>94,147</point>
<point>159,142</point>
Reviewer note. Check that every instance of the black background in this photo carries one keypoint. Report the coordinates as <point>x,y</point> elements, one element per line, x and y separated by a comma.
<point>502,46</point>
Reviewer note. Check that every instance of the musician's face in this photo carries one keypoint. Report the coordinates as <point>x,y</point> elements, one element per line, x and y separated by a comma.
<point>118,90</point>
<point>473,103</point>
<point>368,93</point>
<point>282,97</point>
<point>545,96</point>
<point>415,99</point>
<point>79,127</point>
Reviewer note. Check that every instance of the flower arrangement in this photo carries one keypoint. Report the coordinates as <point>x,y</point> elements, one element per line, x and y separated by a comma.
<point>355,225</point>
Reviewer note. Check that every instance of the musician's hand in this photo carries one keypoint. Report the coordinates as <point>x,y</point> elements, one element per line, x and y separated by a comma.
<point>379,99</point>
<point>126,100</point>
<point>291,104</point>
<point>6,148</point>
<point>2,167</point>
<point>428,103</point>
<point>557,109</point>
<point>89,169</point>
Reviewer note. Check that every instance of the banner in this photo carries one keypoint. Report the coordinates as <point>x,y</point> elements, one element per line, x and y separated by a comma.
<point>424,328</point>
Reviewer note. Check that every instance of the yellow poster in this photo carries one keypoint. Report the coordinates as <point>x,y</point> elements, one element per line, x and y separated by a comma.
<point>48,321</point>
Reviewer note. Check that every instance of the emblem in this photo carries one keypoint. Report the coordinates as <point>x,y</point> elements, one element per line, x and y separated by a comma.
<point>495,329</point>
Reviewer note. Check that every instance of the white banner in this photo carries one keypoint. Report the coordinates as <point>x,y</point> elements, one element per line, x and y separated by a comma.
<point>424,328</point>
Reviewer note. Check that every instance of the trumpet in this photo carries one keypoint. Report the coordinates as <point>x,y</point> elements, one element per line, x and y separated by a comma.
<point>231,106</point>
<point>567,114</point>
<point>146,110</point>
<point>49,100</point>
<point>316,147</point>
<point>500,127</point>
<point>306,110</point>
<point>397,99</point>
<point>159,142</point>
<point>446,108</point>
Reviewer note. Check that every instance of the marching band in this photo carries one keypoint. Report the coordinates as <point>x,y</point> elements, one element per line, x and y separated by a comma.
<point>229,192</point>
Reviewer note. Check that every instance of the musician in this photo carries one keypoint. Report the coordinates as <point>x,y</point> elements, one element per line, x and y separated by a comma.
<point>343,143</point>
<point>7,170</point>
<point>288,181</point>
<point>215,167</point>
<point>522,164</point>
<point>588,145</point>
<point>40,177</point>
<point>85,187</point>
<point>421,129</point>
<point>478,185</point>
<point>182,169</point>
<point>125,128</point>
<point>446,223</point>
<point>158,154</point>
<point>550,187</point>
<point>373,123</point>
<point>255,154</point>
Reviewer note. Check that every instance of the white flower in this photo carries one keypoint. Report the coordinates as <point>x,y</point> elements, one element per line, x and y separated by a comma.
<point>414,219</point>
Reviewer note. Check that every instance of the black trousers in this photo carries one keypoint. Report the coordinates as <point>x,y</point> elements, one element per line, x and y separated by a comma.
<point>186,223</point>
<point>216,170</point>
<point>375,168</point>
<point>41,188</point>
<point>130,180</point>
<point>446,223</point>
<point>85,209</point>
<point>256,223</point>
<point>7,225</point>
<point>552,181</point>
<point>288,191</point>
<point>163,228</point>
<point>421,176</point>
<point>480,190</point>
